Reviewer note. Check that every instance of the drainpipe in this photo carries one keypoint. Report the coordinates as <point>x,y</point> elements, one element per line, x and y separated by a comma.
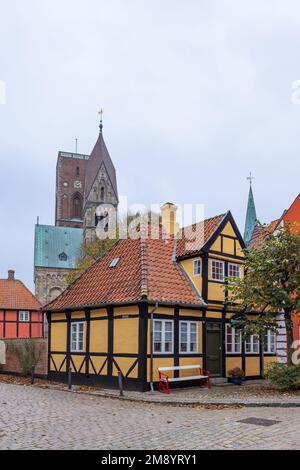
<point>151,345</point>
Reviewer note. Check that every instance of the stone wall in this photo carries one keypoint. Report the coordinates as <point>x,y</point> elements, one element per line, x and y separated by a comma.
<point>12,362</point>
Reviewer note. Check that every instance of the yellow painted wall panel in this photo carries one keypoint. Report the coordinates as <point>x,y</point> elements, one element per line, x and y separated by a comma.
<point>125,363</point>
<point>189,361</point>
<point>131,310</point>
<point>188,266</point>
<point>126,335</point>
<point>216,246</point>
<point>228,230</point>
<point>216,291</point>
<point>268,360</point>
<point>252,366</point>
<point>228,246</point>
<point>216,315</point>
<point>232,362</point>
<point>99,336</point>
<point>159,362</point>
<point>190,313</point>
<point>239,250</point>
<point>58,360</point>
<point>78,360</point>
<point>58,316</point>
<point>98,362</point>
<point>100,312</point>
<point>59,337</point>
<point>75,315</point>
<point>163,310</point>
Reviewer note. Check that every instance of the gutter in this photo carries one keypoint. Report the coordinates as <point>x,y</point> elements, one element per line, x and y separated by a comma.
<point>151,345</point>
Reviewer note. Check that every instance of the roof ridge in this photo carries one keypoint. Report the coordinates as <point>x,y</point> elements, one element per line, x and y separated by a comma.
<point>205,220</point>
<point>144,262</point>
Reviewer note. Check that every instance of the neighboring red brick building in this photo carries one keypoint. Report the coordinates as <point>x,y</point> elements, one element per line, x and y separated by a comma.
<point>20,314</point>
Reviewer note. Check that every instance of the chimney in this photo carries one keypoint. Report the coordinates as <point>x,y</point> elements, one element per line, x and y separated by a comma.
<point>11,275</point>
<point>168,215</point>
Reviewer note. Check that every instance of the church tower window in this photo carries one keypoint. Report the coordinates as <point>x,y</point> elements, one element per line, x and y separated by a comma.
<point>76,212</point>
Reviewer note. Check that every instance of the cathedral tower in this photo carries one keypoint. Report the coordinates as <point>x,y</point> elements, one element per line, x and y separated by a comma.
<point>251,219</point>
<point>100,186</point>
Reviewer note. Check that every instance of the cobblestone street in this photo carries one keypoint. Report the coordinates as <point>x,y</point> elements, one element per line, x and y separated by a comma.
<point>35,418</point>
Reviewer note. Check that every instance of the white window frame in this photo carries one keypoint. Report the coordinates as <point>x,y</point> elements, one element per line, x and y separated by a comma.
<point>77,332</point>
<point>163,336</point>
<point>250,341</point>
<point>267,345</point>
<point>222,263</point>
<point>24,316</point>
<point>188,349</point>
<point>236,265</point>
<point>195,263</point>
<point>233,343</point>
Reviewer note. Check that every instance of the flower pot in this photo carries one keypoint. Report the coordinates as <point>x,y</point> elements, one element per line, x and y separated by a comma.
<point>236,380</point>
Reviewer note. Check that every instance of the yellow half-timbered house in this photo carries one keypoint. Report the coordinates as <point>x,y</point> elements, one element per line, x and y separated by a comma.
<point>153,302</point>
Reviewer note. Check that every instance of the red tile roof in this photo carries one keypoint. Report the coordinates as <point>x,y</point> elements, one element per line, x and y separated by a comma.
<point>206,228</point>
<point>260,232</point>
<point>146,270</point>
<point>15,295</point>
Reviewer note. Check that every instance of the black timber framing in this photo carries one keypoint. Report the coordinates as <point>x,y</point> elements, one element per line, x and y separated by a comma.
<point>142,345</point>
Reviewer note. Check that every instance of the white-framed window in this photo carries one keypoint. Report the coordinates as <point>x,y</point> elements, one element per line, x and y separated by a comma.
<point>77,336</point>
<point>197,267</point>
<point>270,342</point>
<point>188,339</point>
<point>217,270</point>
<point>252,344</point>
<point>24,316</point>
<point>234,270</point>
<point>233,340</point>
<point>163,336</point>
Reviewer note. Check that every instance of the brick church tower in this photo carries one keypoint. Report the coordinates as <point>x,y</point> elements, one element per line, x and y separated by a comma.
<point>83,183</point>
<point>100,187</point>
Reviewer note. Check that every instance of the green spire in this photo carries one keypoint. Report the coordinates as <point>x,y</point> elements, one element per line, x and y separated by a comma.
<point>250,216</point>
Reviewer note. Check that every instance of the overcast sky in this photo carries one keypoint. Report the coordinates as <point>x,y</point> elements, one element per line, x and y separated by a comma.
<point>196,94</point>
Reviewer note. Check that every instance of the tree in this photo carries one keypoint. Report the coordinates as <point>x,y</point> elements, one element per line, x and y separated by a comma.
<point>271,285</point>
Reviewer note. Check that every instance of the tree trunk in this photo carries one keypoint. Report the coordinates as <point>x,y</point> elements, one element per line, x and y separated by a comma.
<point>289,336</point>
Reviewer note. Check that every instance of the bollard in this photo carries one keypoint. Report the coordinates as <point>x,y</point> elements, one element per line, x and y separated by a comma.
<point>32,374</point>
<point>70,378</point>
<point>120,381</point>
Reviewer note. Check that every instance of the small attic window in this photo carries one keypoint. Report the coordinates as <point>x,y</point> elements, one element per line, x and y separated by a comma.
<point>114,263</point>
<point>63,257</point>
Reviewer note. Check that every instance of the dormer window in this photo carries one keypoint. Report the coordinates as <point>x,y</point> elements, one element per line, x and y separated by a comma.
<point>63,257</point>
<point>197,267</point>
<point>114,262</point>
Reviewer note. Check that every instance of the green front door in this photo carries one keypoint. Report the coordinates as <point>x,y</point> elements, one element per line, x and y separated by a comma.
<point>214,348</point>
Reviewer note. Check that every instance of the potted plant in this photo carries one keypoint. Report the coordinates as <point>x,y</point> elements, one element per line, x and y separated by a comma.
<point>236,375</point>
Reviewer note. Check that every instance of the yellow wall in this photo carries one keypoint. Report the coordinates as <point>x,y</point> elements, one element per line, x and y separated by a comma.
<point>159,362</point>
<point>101,312</point>
<point>98,362</point>
<point>126,335</point>
<point>124,364</point>
<point>132,310</point>
<point>216,291</point>
<point>76,315</point>
<point>59,337</point>
<point>189,361</point>
<point>232,362</point>
<point>252,366</point>
<point>99,336</point>
<point>58,360</point>
<point>188,266</point>
<point>228,245</point>
<point>228,230</point>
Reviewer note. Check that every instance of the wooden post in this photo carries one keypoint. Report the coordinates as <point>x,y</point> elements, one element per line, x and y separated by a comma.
<point>120,381</point>
<point>70,378</point>
<point>32,374</point>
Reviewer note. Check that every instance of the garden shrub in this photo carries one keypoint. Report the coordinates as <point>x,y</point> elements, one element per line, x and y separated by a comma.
<point>28,353</point>
<point>284,377</point>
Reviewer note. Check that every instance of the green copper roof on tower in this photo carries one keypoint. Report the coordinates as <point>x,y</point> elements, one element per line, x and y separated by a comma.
<point>250,216</point>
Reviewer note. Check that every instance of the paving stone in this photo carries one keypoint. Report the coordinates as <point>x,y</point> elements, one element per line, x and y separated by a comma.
<point>36,418</point>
